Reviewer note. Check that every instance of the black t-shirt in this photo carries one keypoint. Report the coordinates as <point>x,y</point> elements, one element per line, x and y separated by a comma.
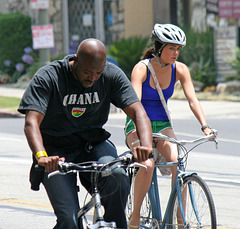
<point>68,107</point>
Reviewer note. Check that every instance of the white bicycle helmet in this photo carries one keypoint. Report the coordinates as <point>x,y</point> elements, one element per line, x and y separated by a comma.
<point>168,34</point>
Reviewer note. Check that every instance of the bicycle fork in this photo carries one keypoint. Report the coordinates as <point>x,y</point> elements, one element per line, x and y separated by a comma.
<point>180,198</point>
<point>95,202</point>
<point>153,194</point>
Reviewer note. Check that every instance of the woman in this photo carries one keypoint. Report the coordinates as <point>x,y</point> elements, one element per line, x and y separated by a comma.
<point>168,40</point>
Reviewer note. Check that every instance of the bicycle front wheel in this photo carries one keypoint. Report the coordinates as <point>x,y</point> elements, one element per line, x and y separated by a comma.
<point>198,205</point>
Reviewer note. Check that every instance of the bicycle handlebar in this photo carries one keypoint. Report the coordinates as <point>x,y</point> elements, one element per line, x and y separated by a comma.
<point>125,160</point>
<point>211,136</point>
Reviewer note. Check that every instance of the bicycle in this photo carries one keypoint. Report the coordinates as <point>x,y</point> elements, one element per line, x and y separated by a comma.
<point>96,169</point>
<point>190,203</point>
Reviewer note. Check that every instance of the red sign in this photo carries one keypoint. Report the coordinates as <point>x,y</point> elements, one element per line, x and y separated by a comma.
<point>229,8</point>
<point>42,36</point>
<point>39,4</point>
<point>236,8</point>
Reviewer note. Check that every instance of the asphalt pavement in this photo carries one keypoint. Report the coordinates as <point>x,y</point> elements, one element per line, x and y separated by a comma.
<point>214,171</point>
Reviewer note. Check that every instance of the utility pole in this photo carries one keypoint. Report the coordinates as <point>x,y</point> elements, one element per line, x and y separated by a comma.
<point>44,53</point>
<point>173,12</point>
<point>186,13</point>
<point>99,23</point>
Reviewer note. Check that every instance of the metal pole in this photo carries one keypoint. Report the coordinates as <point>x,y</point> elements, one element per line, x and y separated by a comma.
<point>99,22</point>
<point>65,26</point>
<point>44,54</point>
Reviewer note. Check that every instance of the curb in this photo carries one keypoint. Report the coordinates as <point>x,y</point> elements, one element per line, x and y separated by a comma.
<point>5,114</point>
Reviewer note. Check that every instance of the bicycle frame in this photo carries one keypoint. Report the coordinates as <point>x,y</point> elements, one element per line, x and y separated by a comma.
<point>123,161</point>
<point>98,220</point>
<point>153,194</point>
<point>183,208</point>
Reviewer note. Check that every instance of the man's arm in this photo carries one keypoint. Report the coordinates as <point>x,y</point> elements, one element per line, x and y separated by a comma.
<point>33,120</point>
<point>137,113</point>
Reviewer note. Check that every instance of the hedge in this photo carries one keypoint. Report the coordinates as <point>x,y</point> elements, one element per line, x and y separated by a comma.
<point>15,35</point>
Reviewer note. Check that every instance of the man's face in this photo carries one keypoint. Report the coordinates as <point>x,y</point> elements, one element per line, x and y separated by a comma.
<point>88,71</point>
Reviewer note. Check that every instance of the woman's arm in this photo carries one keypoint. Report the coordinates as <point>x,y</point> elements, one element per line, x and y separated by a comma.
<point>183,74</point>
<point>139,75</point>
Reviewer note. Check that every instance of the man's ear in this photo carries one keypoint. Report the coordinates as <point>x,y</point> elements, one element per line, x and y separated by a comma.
<point>75,57</point>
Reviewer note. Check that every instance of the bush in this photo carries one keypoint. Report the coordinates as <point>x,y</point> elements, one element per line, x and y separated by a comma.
<point>199,56</point>
<point>235,63</point>
<point>15,36</point>
<point>127,52</point>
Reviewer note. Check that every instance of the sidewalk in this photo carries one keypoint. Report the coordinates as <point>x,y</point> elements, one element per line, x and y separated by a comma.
<point>179,108</point>
<point>11,92</point>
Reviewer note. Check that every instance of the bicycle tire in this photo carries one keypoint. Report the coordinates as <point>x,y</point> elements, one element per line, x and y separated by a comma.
<point>146,220</point>
<point>204,203</point>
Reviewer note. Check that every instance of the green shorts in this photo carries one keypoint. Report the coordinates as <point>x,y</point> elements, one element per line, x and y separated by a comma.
<point>157,126</point>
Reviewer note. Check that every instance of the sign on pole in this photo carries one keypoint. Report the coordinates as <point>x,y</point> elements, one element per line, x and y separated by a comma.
<point>229,8</point>
<point>42,36</point>
<point>39,4</point>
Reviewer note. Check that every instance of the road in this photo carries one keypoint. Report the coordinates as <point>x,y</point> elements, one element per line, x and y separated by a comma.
<point>22,208</point>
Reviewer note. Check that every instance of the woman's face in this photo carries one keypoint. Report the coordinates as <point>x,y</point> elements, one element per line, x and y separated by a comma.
<point>170,53</point>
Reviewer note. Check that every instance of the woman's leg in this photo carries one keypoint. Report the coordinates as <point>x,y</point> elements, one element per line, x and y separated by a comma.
<point>169,150</point>
<point>141,185</point>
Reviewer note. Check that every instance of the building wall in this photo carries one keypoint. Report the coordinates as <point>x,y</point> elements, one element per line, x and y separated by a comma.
<point>3,6</point>
<point>118,20</point>
<point>138,17</point>
<point>161,11</point>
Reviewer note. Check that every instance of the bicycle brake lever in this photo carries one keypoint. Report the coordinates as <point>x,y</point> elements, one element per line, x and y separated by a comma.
<point>216,143</point>
<point>138,165</point>
<point>55,173</point>
<point>215,132</point>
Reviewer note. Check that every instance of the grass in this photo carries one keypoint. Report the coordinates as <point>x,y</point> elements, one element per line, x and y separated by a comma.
<point>9,102</point>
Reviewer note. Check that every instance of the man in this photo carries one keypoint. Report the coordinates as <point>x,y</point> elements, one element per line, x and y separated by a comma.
<point>66,104</point>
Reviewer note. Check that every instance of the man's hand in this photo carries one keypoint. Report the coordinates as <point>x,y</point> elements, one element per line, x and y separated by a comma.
<point>50,163</point>
<point>141,153</point>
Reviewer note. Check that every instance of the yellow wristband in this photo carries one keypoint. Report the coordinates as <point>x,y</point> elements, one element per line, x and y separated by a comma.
<point>41,154</point>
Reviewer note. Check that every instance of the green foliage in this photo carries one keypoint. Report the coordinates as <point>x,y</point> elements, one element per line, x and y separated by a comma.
<point>15,35</point>
<point>199,56</point>
<point>235,63</point>
<point>128,52</point>
<point>202,72</point>
<point>7,102</point>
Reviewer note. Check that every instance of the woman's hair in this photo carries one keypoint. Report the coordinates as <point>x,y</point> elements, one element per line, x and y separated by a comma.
<point>149,52</point>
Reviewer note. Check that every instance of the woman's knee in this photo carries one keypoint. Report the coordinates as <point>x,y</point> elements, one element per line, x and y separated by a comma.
<point>149,167</point>
<point>131,138</point>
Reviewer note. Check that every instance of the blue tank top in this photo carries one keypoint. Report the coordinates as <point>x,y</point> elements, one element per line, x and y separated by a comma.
<point>151,100</point>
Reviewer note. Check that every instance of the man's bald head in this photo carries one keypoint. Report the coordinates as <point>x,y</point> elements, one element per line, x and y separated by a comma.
<point>89,62</point>
<point>92,49</point>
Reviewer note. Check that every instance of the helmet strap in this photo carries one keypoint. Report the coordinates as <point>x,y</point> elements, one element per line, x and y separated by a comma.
<point>158,56</point>
<point>159,61</point>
